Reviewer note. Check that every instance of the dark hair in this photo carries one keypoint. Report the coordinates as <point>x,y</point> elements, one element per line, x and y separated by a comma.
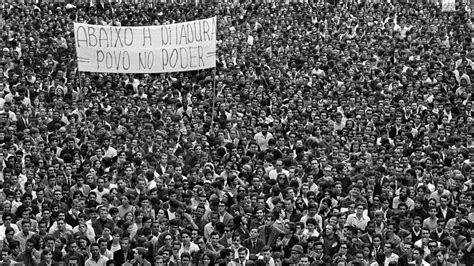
<point>210,255</point>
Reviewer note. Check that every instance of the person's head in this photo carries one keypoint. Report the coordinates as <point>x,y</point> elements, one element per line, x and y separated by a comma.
<point>7,218</point>
<point>418,253</point>
<point>214,237</point>
<point>186,236</point>
<point>226,254</point>
<point>125,243</point>
<point>236,240</point>
<point>388,248</point>
<point>46,255</point>
<point>417,222</point>
<point>30,244</point>
<point>377,240</point>
<point>443,201</point>
<point>439,256</point>
<point>6,255</point>
<point>139,253</point>
<point>207,258</point>
<point>408,247</point>
<point>25,226</point>
<point>254,233</point>
<point>242,253</point>
<point>311,224</point>
<point>304,260</point>
<point>266,253</point>
<point>185,258</point>
<point>102,244</point>
<point>297,251</point>
<point>290,228</point>
<point>167,253</point>
<point>103,213</point>
<point>95,250</point>
<point>359,255</point>
<point>312,209</point>
<point>214,217</point>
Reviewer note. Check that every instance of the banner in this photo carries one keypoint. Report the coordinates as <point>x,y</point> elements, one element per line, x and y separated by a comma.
<point>448,5</point>
<point>154,49</point>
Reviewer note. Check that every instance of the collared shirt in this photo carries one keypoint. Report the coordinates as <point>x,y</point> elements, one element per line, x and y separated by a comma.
<point>101,262</point>
<point>353,220</point>
<point>444,211</point>
<point>108,254</point>
<point>262,140</point>
<point>422,263</point>
<point>190,249</point>
<point>21,238</point>
<point>393,257</point>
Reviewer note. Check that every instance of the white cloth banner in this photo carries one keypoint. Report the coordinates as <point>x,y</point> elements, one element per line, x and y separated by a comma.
<point>448,5</point>
<point>154,49</point>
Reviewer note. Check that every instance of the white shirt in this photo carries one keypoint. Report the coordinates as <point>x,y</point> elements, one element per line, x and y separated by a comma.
<point>355,221</point>
<point>54,227</point>
<point>108,254</point>
<point>101,262</point>
<point>110,152</point>
<point>393,257</point>
<point>3,228</point>
<point>100,194</point>
<point>423,263</point>
<point>171,215</point>
<point>262,140</point>
<point>317,217</point>
<point>191,249</point>
<point>274,173</point>
<point>306,233</point>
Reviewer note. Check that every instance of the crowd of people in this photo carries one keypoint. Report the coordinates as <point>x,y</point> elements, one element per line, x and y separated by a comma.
<point>328,134</point>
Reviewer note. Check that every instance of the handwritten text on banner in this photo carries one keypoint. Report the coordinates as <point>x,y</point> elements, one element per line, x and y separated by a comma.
<point>154,49</point>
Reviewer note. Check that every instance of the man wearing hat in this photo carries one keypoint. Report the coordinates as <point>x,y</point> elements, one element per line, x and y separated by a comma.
<point>296,252</point>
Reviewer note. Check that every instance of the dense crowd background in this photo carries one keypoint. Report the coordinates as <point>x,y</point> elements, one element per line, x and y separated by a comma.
<point>328,134</point>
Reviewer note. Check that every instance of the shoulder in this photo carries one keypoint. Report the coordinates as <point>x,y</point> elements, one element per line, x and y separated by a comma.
<point>118,252</point>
